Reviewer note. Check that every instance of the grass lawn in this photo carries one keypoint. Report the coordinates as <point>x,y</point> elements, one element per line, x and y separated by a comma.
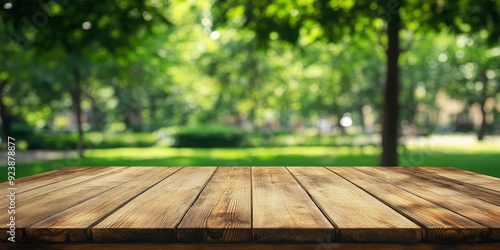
<point>481,158</point>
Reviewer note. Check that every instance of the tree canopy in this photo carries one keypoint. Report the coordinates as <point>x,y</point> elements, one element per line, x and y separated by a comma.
<point>333,20</point>
<point>279,65</point>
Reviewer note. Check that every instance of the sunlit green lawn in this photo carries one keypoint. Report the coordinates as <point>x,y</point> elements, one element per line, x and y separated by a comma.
<point>481,158</point>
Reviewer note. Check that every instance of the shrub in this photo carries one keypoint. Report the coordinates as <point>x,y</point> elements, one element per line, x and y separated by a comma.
<point>92,140</point>
<point>52,141</point>
<point>209,136</point>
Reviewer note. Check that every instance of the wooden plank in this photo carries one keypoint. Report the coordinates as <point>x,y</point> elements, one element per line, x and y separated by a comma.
<point>72,224</point>
<point>153,215</point>
<point>282,210</point>
<point>55,172</point>
<point>479,192</point>
<point>250,246</point>
<point>475,209</point>
<point>45,185</point>
<point>357,216</point>
<point>37,208</point>
<point>481,180</point>
<point>34,181</point>
<point>441,225</point>
<point>223,211</point>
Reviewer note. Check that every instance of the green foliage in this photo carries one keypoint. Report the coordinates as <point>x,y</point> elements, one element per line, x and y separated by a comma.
<point>139,73</point>
<point>21,129</point>
<point>108,140</point>
<point>209,136</point>
<point>92,140</point>
<point>333,20</point>
<point>77,25</point>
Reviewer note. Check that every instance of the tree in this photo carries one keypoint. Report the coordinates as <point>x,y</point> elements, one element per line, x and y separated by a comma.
<point>68,32</point>
<point>474,73</point>
<point>332,20</point>
<point>25,88</point>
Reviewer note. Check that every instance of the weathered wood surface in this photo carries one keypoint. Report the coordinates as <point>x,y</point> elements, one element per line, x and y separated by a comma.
<point>464,176</point>
<point>52,178</point>
<point>282,210</point>
<point>153,215</point>
<point>468,206</point>
<point>34,207</point>
<point>486,194</point>
<point>223,212</point>
<point>73,222</point>
<point>250,246</point>
<point>313,206</point>
<point>358,216</point>
<point>439,224</point>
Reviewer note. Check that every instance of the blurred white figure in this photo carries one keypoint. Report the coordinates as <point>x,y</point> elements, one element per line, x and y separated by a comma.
<point>324,126</point>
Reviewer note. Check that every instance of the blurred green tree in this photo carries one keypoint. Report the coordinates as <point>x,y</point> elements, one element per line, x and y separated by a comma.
<point>331,20</point>
<point>69,32</point>
<point>473,73</point>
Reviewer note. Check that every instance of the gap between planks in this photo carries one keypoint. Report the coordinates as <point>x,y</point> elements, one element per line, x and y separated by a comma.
<point>154,215</point>
<point>283,211</point>
<point>475,209</point>
<point>439,224</point>
<point>253,237</point>
<point>221,212</point>
<point>357,215</point>
<point>73,223</point>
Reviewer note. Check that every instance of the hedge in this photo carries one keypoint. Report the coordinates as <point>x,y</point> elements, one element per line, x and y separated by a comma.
<point>209,136</point>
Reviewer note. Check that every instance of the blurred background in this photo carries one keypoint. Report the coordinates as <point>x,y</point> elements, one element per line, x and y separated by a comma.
<point>234,83</point>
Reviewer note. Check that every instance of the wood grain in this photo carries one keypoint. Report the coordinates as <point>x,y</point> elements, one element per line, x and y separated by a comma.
<point>282,210</point>
<point>251,246</point>
<point>54,172</point>
<point>475,209</point>
<point>37,187</point>
<point>357,216</point>
<point>39,180</point>
<point>481,180</point>
<point>222,213</point>
<point>440,224</point>
<point>479,192</point>
<point>36,208</point>
<point>71,225</point>
<point>153,215</point>
<point>312,206</point>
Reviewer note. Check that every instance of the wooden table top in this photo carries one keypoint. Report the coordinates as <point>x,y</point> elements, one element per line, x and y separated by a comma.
<point>256,204</point>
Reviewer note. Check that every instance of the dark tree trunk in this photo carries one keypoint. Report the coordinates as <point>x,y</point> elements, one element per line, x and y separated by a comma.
<point>482,129</point>
<point>4,113</point>
<point>484,96</point>
<point>361,117</point>
<point>76,98</point>
<point>391,96</point>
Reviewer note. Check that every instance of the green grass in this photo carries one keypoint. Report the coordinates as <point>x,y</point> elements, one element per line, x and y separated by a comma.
<point>481,158</point>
